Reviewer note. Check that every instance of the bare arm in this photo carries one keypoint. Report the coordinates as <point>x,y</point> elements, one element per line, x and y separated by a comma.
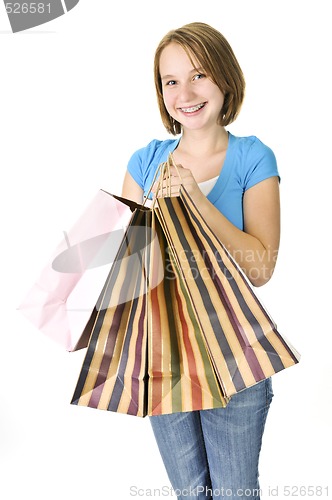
<point>255,249</point>
<point>131,190</point>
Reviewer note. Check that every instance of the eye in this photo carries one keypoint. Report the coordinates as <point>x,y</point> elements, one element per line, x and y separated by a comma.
<point>170,83</point>
<point>199,76</point>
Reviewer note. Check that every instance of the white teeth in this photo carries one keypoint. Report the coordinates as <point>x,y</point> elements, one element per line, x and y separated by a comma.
<point>194,108</point>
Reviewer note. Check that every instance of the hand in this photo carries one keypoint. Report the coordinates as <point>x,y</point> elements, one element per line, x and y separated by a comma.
<point>178,176</point>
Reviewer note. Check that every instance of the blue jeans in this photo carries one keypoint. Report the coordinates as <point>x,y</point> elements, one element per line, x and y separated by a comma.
<point>213,454</point>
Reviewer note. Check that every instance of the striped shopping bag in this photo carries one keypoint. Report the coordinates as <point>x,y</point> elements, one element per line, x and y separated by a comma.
<point>243,341</point>
<point>177,326</point>
<point>181,376</point>
<point>113,375</point>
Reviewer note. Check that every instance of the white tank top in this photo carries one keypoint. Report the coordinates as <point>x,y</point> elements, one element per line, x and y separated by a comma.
<point>206,186</point>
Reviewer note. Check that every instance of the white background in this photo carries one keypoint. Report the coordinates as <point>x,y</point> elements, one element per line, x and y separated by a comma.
<point>76,100</point>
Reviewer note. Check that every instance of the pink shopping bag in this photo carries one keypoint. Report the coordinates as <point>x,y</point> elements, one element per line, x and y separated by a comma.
<point>62,299</point>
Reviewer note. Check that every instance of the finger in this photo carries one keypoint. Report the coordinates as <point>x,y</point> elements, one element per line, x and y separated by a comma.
<point>165,192</point>
<point>180,171</point>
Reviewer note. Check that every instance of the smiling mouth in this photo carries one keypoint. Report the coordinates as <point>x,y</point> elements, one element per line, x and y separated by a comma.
<point>193,108</point>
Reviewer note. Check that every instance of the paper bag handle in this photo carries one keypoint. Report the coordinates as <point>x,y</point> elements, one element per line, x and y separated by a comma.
<point>164,178</point>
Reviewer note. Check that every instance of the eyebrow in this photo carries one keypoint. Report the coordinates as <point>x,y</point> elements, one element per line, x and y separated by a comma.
<point>172,77</point>
<point>167,77</point>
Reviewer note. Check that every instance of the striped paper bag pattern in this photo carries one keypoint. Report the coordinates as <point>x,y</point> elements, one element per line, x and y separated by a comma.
<point>113,376</point>
<point>243,342</point>
<point>181,376</point>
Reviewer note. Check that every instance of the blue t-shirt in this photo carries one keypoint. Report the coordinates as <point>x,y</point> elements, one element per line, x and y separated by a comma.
<point>247,162</point>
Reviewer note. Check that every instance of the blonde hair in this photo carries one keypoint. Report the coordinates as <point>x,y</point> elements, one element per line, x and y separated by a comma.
<point>215,55</point>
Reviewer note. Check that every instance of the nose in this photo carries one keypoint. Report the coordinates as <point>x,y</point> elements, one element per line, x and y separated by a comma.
<point>186,93</point>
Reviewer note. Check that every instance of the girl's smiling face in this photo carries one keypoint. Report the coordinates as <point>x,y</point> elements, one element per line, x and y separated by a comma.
<point>190,97</point>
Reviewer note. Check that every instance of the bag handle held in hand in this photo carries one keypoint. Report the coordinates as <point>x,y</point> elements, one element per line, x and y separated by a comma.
<point>164,179</point>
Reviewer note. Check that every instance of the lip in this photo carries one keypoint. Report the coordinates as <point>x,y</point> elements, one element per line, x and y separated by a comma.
<point>185,110</point>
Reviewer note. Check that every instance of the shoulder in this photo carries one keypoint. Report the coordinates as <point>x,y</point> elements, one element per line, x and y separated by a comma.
<point>144,161</point>
<point>252,146</point>
<point>154,150</point>
<point>256,161</point>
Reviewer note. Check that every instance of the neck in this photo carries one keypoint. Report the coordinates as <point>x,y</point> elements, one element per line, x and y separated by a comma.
<point>198,143</point>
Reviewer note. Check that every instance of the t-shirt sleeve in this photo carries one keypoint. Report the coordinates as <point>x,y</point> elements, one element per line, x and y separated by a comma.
<point>261,164</point>
<point>144,162</point>
<point>134,167</point>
